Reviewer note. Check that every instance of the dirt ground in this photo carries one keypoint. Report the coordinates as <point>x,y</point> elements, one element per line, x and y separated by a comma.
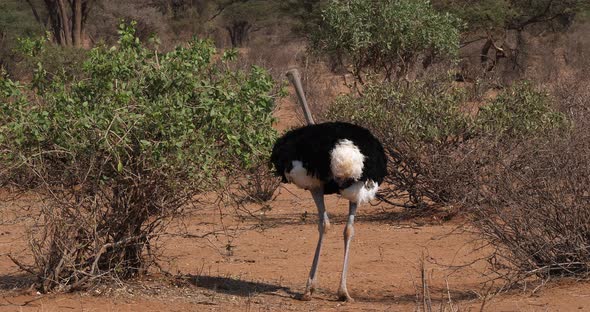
<point>267,263</point>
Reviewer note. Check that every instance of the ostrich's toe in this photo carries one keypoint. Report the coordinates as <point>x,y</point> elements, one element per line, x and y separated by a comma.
<point>306,296</point>
<point>344,296</point>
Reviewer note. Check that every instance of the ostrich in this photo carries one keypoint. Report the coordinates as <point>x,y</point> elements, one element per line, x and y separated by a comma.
<point>329,158</point>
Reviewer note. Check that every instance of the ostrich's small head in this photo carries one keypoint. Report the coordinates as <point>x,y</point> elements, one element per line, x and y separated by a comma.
<point>292,75</point>
<point>346,161</point>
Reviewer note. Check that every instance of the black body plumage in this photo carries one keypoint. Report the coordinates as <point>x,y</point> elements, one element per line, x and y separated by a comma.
<point>312,146</point>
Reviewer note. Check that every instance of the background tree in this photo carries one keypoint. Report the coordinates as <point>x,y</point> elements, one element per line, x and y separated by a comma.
<point>15,21</point>
<point>489,22</point>
<point>66,19</point>
<point>307,14</point>
<point>385,37</point>
<point>242,17</point>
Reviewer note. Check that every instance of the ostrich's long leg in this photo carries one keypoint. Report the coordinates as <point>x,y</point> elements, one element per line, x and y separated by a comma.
<point>348,234</point>
<point>323,225</point>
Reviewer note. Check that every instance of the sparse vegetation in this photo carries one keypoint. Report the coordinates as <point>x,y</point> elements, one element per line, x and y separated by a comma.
<point>482,106</point>
<point>500,15</point>
<point>499,159</point>
<point>517,167</point>
<point>260,184</point>
<point>532,198</point>
<point>14,23</point>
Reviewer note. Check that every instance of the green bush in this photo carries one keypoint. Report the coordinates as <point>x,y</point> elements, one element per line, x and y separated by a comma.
<point>415,123</point>
<point>122,147</point>
<point>418,112</point>
<point>385,37</point>
<point>519,111</point>
<point>427,135</point>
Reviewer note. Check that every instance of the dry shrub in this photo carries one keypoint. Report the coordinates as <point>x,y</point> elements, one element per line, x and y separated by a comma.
<point>84,237</point>
<point>531,198</point>
<point>572,95</point>
<point>257,185</point>
<point>245,195</point>
<point>533,205</point>
<point>277,57</point>
<point>522,174</point>
<point>320,85</point>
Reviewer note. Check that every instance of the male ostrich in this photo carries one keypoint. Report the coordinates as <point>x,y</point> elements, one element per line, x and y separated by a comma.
<point>328,158</point>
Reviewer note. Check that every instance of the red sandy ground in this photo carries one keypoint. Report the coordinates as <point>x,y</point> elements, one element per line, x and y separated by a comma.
<point>270,260</point>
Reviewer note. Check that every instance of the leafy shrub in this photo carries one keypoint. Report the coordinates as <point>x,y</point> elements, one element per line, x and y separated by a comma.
<point>428,137</point>
<point>519,111</point>
<point>412,122</point>
<point>55,59</point>
<point>119,150</point>
<point>385,37</point>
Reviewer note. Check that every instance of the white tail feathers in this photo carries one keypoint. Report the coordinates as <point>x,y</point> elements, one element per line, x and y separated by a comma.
<point>360,192</point>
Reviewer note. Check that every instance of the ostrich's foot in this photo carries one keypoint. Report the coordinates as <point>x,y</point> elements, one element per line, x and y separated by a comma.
<point>307,295</point>
<point>344,296</point>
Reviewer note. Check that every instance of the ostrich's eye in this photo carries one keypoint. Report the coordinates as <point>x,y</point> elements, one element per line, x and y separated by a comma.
<point>370,184</point>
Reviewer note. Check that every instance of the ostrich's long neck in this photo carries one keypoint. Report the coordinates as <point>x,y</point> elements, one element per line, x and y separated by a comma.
<point>293,74</point>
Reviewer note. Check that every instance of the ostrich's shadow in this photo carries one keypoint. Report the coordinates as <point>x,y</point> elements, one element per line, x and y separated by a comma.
<point>16,281</point>
<point>238,287</point>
